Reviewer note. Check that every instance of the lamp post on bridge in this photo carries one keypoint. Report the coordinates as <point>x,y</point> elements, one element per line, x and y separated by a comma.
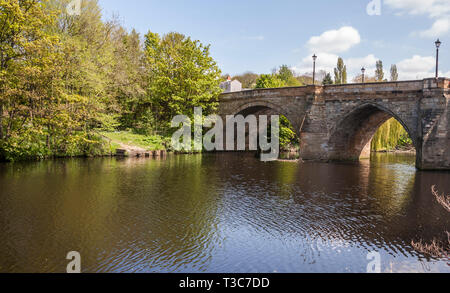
<point>438,44</point>
<point>314,69</point>
<point>363,70</point>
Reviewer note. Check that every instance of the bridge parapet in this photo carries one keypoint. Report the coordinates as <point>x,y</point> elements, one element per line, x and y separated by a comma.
<point>352,88</point>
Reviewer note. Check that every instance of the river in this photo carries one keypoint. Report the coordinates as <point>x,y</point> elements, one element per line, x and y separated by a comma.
<point>219,213</point>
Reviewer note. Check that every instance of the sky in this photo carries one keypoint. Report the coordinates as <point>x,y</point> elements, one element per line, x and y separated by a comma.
<point>260,35</point>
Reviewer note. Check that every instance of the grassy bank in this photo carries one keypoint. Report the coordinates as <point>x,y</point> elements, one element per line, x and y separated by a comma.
<point>126,139</point>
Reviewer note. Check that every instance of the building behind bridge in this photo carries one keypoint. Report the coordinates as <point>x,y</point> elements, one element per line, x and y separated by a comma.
<point>231,86</point>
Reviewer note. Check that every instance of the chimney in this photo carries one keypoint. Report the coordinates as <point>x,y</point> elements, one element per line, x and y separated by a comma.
<point>229,78</point>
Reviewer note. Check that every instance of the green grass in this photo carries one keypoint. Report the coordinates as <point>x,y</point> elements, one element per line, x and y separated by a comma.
<point>150,143</point>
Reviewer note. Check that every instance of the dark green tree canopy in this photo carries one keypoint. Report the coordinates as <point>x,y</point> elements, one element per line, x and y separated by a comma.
<point>327,79</point>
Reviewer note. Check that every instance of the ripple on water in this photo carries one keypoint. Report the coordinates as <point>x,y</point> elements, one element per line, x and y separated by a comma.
<point>218,213</point>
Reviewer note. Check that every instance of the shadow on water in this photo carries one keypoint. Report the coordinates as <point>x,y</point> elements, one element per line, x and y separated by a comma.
<point>218,213</point>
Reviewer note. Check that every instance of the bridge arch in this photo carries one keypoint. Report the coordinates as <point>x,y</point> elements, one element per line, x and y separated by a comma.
<point>351,136</point>
<point>264,107</point>
<point>256,105</point>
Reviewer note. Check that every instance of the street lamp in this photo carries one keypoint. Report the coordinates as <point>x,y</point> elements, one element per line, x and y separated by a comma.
<point>363,70</point>
<point>314,69</point>
<point>438,44</point>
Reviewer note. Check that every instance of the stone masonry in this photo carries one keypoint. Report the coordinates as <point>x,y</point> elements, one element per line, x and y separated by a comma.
<point>337,122</point>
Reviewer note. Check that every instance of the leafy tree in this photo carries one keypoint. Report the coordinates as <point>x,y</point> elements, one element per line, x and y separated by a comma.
<point>394,73</point>
<point>391,135</point>
<point>288,137</point>
<point>327,80</point>
<point>379,73</point>
<point>248,79</point>
<point>269,81</point>
<point>340,72</point>
<point>305,79</point>
<point>181,75</point>
<point>31,94</point>
<point>287,76</point>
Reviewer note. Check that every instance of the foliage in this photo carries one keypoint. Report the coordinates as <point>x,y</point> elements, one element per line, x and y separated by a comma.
<point>269,81</point>
<point>248,79</point>
<point>181,75</point>
<point>394,73</point>
<point>287,76</point>
<point>327,80</point>
<point>64,78</point>
<point>340,72</point>
<point>379,73</point>
<point>391,135</point>
<point>288,137</point>
<point>42,112</point>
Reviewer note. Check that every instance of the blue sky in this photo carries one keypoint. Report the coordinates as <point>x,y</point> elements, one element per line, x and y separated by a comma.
<point>259,35</point>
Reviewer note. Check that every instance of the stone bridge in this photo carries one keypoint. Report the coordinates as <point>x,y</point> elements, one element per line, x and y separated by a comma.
<point>338,122</point>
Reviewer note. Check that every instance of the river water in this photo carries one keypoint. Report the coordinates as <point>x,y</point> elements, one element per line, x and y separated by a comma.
<point>219,213</point>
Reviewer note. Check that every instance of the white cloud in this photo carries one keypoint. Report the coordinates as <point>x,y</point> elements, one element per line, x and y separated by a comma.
<point>327,46</point>
<point>434,9</point>
<point>335,41</point>
<point>325,61</point>
<point>431,8</point>
<point>417,67</point>
<point>354,65</point>
<point>439,28</point>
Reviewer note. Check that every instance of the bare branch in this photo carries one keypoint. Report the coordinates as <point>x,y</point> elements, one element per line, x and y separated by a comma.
<point>442,199</point>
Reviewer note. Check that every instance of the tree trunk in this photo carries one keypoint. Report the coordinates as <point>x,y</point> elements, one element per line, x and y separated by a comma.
<point>1,122</point>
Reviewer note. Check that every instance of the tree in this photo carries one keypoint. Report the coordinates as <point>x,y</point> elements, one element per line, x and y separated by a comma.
<point>327,80</point>
<point>379,73</point>
<point>287,76</point>
<point>269,81</point>
<point>391,135</point>
<point>394,73</point>
<point>127,84</point>
<point>60,76</point>
<point>248,79</point>
<point>64,78</point>
<point>285,73</point>
<point>30,86</point>
<point>181,75</point>
<point>340,72</point>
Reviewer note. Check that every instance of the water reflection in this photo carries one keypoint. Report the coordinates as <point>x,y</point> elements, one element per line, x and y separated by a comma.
<point>218,213</point>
